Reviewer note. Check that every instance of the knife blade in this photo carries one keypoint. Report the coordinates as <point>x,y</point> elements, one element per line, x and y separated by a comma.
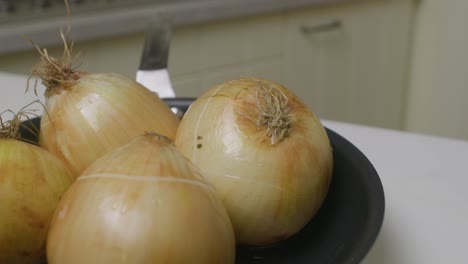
<point>153,72</point>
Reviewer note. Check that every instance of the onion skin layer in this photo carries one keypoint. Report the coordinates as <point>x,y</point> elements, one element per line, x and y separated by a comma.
<point>270,190</point>
<point>32,182</point>
<point>98,113</point>
<point>142,203</point>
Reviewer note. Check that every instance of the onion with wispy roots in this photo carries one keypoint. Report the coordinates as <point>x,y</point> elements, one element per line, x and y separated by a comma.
<point>265,152</point>
<point>32,182</point>
<point>141,203</point>
<point>90,114</point>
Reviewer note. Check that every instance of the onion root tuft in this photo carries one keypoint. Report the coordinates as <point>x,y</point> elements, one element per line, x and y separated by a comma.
<point>272,112</point>
<point>10,129</point>
<point>57,74</point>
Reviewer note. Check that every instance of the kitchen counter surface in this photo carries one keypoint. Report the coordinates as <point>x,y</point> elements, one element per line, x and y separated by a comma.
<point>100,24</point>
<point>424,180</point>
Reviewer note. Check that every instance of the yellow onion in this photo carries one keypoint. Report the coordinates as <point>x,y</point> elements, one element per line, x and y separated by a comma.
<point>31,183</point>
<point>141,203</point>
<point>89,114</point>
<point>264,151</point>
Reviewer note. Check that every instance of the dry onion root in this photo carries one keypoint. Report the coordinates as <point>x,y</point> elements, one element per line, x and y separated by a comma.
<point>265,152</point>
<point>31,183</point>
<point>89,114</point>
<point>141,203</point>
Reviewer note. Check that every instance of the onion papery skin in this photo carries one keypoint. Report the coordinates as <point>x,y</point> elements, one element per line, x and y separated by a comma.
<point>141,203</point>
<point>98,113</point>
<point>32,182</point>
<point>270,187</point>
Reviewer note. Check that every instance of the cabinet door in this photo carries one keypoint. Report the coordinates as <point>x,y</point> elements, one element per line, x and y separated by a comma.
<point>207,54</point>
<point>349,62</point>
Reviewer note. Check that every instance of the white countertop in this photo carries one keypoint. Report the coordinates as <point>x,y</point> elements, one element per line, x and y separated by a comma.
<point>424,179</point>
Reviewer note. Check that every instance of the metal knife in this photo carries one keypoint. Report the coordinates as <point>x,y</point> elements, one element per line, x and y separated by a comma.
<point>153,72</point>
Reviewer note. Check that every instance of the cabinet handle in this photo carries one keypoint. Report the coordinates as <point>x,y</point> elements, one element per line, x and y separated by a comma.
<point>325,27</point>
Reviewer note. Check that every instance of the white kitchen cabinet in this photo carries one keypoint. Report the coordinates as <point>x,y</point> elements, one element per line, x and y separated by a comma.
<point>349,62</point>
<point>204,55</point>
<point>354,72</point>
<point>201,55</point>
<point>350,65</point>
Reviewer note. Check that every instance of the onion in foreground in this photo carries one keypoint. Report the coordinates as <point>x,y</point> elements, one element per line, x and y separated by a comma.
<point>265,152</point>
<point>89,114</point>
<point>141,203</point>
<point>31,183</point>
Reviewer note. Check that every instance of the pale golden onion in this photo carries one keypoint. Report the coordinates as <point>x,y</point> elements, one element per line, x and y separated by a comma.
<point>265,152</point>
<point>141,203</point>
<point>89,114</point>
<point>31,183</point>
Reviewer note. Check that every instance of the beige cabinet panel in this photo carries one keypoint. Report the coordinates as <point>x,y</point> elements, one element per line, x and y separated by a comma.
<point>193,85</point>
<point>209,46</point>
<point>349,62</point>
<point>438,93</point>
<point>354,72</point>
<point>204,55</point>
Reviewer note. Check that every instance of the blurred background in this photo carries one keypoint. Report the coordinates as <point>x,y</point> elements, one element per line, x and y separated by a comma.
<point>399,64</point>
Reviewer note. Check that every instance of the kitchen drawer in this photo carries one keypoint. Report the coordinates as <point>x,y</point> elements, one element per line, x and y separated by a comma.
<point>349,62</point>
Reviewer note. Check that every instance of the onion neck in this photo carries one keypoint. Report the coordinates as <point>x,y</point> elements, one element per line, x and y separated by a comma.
<point>151,135</point>
<point>8,135</point>
<point>57,85</point>
<point>10,129</point>
<point>57,74</point>
<point>272,112</point>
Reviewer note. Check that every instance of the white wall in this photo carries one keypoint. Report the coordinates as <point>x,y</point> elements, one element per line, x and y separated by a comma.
<point>438,87</point>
